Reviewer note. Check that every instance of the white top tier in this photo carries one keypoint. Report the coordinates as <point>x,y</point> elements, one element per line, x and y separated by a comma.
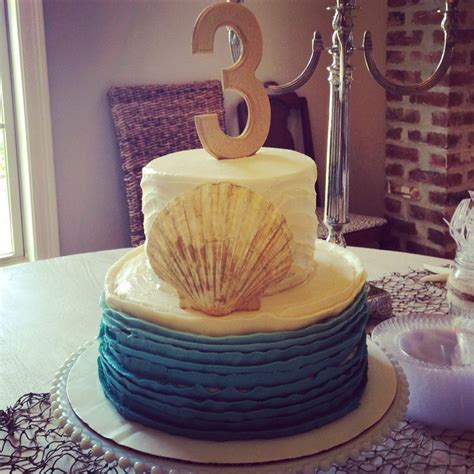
<point>284,177</point>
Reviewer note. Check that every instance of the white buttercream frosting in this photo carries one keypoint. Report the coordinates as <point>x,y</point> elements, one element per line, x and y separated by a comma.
<point>284,177</point>
<point>338,277</point>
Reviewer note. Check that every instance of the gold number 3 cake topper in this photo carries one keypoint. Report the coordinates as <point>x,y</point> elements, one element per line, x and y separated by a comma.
<point>239,77</point>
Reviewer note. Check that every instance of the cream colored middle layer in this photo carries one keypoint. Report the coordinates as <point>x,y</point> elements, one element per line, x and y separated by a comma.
<point>133,288</point>
<point>284,177</point>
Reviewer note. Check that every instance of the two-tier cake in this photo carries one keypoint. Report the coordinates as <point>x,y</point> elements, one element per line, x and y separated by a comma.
<point>233,321</point>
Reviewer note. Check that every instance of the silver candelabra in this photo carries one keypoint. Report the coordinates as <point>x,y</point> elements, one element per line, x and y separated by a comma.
<point>336,207</point>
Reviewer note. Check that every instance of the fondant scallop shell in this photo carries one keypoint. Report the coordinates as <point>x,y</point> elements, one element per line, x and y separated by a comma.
<point>220,246</point>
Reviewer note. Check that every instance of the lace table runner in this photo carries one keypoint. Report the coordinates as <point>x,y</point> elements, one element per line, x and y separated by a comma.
<point>30,441</point>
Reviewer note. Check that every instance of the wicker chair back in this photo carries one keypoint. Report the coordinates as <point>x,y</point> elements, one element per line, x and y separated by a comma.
<point>155,120</point>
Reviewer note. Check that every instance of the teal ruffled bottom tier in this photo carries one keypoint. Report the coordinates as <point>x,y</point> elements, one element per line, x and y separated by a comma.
<point>262,385</point>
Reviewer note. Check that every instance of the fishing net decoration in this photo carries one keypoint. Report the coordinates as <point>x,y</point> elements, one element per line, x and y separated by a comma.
<point>31,442</point>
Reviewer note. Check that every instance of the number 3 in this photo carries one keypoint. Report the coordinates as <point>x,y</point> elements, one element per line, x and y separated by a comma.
<point>239,77</point>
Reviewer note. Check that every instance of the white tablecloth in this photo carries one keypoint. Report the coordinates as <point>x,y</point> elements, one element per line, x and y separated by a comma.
<point>49,308</point>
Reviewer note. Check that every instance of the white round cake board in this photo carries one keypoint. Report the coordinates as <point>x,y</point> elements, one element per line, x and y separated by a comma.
<point>86,398</point>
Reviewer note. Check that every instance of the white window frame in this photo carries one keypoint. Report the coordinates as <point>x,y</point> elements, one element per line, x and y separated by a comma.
<point>33,128</point>
<point>13,190</point>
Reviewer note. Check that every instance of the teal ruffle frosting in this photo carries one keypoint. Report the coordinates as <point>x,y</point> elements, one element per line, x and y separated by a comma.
<point>262,385</point>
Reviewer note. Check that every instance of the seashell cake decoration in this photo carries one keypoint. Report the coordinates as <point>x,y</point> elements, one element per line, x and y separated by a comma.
<point>220,246</point>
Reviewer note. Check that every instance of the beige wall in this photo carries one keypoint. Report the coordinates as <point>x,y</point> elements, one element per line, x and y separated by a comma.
<point>94,44</point>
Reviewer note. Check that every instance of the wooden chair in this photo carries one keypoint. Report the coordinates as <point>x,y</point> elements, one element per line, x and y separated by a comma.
<point>362,231</point>
<point>152,121</point>
<point>280,135</point>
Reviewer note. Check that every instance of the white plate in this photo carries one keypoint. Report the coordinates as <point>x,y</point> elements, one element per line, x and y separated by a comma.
<point>87,414</point>
<point>436,353</point>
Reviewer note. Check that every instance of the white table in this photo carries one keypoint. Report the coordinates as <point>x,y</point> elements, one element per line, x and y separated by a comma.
<point>49,308</point>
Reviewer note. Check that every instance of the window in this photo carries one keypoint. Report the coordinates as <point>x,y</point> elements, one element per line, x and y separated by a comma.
<point>29,178</point>
<point>11,239</point>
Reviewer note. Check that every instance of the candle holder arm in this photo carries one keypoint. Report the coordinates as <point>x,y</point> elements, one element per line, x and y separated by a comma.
<point>234,45</point>
<point>448,26</point>
<point>305,75</point>
<point>316,48</point>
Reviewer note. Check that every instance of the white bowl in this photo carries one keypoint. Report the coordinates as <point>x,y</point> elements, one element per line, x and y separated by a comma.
<point>437,356</point>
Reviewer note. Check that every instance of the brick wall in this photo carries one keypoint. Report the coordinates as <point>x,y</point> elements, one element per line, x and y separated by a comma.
<point>429,137</point>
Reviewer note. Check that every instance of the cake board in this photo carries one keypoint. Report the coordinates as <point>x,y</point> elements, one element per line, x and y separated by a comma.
<point>88,417</point>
